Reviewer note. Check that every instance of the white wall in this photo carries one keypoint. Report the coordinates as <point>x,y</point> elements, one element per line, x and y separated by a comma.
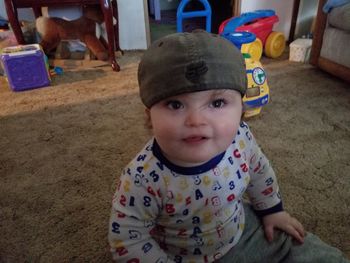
<point>133,16</point>
<point>133,25</point>
<point>283,9</point>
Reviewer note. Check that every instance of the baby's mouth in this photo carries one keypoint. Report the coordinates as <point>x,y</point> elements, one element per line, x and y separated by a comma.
<point>194,139</point>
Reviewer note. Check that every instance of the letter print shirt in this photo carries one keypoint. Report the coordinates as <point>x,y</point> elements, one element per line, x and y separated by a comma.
<point>165,213</point>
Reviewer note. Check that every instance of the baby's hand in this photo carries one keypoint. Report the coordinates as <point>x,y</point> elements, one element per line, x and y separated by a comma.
<point>285,222</point>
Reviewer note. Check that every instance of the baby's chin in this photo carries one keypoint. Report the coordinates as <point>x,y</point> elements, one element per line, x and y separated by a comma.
<point>191,161</point>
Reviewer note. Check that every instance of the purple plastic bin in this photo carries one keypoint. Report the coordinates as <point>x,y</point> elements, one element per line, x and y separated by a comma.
<point>25,67</point>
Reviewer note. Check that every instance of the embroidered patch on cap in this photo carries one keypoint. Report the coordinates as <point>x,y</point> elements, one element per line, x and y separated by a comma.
<point>195,70</point>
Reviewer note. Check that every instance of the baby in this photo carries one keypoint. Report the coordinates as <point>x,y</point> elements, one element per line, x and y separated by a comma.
<point>181,198</point>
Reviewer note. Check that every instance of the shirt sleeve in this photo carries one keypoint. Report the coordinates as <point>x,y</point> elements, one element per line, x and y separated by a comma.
<point>134,209</point>
<point>263,189</point>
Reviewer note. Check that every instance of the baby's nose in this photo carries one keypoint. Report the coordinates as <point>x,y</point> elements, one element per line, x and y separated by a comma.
<point>195,118</point>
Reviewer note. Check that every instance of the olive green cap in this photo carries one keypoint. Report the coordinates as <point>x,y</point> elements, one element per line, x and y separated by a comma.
<point>190,62</point>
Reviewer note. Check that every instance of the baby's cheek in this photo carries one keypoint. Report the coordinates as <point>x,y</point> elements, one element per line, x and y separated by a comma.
<point>229,129</point>
<point>165,130</point>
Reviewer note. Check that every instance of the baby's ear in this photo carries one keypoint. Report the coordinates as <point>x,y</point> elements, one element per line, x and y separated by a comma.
<point>148,121</point>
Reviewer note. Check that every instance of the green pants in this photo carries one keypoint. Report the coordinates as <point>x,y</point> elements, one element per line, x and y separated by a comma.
<point>254,248</point>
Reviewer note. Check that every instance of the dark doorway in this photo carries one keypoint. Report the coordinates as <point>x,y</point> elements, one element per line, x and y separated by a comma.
<point>221,10</point>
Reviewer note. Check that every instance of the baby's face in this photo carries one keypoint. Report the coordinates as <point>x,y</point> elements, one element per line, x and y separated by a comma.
<point>192,128</point>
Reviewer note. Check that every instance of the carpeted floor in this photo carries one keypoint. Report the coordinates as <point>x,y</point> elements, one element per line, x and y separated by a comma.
<point>63,147</point>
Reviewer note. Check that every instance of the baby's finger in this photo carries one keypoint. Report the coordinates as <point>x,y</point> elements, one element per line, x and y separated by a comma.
<point>269,233</point>
<point>291,230</point>
<point>298,226</point>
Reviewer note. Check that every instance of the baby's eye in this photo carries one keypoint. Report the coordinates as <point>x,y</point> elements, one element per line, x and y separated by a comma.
<point>219,103</point>
<point>174,104</point>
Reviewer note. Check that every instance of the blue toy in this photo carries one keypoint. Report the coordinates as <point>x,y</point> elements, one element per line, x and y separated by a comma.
<point>180,15</point>
<point>25,67</point>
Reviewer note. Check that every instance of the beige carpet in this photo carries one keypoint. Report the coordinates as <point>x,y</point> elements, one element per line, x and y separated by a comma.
<point>63,147</point>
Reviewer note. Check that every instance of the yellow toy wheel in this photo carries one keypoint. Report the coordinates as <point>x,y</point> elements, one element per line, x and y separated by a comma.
<point>254,49</point>
<point>275,45</point>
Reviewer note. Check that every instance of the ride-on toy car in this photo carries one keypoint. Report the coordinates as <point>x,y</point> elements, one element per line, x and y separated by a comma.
<point>260,23</point>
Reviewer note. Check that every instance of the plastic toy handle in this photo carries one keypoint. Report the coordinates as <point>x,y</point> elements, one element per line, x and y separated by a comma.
<point>244,18</point>
<point>239,38</point>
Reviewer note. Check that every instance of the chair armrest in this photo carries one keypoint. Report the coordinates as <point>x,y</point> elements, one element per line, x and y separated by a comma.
<point>321,22</point>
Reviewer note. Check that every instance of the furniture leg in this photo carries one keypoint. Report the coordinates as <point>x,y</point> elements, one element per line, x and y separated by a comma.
<point>154,9</point>
<point>13,19</point>
<point>116,27</point>
<point>108,17</point>
<point>157,10</point>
